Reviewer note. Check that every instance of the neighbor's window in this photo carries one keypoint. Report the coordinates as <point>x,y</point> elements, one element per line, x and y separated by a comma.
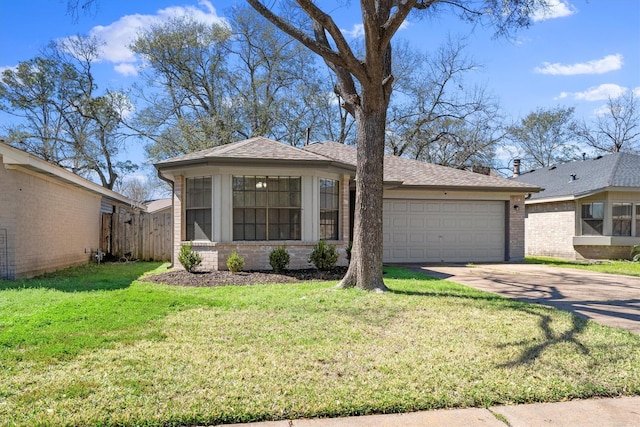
<point>638,219</point>
<point>621,219</point>
<point>198,208</point>
<point>329,208</point>
<point>266,208</point>
<point>592,218</point>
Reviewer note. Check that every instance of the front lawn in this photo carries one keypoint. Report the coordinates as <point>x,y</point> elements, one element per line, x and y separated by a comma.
<point>94,346</point>
<point>629,268</point>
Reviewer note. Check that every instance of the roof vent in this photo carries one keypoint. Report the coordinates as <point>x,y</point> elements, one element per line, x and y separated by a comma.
<point>598,158</point>
<point>552,167</point>
<point>573,177</point>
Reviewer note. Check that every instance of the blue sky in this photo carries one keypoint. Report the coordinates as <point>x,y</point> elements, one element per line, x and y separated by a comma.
<point>578,55</point>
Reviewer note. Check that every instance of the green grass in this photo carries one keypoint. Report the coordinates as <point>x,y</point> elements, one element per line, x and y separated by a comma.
<point>629,268</point>
<point>116,351</point>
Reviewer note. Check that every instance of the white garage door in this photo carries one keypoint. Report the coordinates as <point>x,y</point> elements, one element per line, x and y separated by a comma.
<point>443,231</point>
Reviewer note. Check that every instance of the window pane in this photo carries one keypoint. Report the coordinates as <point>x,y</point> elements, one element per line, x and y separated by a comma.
<point>638,220</point>
<point>621,219</point>
<point>198,224</point>
<point>592,227</point>
<point>269,197</point>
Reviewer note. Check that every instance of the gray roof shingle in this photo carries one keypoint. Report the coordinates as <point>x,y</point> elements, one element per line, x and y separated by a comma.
<point>252,148</point>
<point>591,175</point>
<point>398,170</point>
<point>416,173</point>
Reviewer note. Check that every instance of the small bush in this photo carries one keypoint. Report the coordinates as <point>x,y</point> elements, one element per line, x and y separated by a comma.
<point>279,259</point>
<point>635,253</point>
<point>188,258</point>
<point>235,262</point>
<point>324,256</point>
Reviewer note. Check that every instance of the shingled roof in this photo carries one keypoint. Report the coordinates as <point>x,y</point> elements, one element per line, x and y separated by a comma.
<point>619,171</point>
<point>256,149</point>
<point>414,173</point>
<point>398,171</point>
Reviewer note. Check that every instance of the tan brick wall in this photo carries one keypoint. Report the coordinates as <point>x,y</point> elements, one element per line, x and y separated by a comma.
<point>256,254</point>
<point>550,228</point>
<point>602,252</point>
<point>50,224</point>
<point>178,226</point>
<point>516,236</point>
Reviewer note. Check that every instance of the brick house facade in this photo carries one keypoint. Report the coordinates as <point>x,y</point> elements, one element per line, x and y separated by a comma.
<point>588,209</point>
<point>219,194</point>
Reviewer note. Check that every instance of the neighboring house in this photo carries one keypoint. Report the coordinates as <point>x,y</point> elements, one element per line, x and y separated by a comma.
<point>255,195</point>
<point>589,209</point>
<point>50,218</point>
<point>159,206</point>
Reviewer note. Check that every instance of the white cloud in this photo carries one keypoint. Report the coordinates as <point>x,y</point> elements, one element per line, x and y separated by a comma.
<point>636,92</point>
<point>554,9</point>
<point>596,93</point>
<point>126,69</point>
<point>596,66</point>
<point>117,36</point>
<point>12,68</point>
<point>357,30</point>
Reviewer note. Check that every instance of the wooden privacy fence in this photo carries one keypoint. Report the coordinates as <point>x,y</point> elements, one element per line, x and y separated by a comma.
<point>141,236</point>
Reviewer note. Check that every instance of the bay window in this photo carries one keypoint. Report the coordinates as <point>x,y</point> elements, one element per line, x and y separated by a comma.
<point>267,208</point>
<point>621,219</point>
<point>198,208</point>
<point>592,216</point>
<point>329,209</point>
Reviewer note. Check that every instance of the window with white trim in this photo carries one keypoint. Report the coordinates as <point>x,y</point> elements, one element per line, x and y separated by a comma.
<point>621,216</point>
<point>267,208</point>
<point>592,218</point>
<point>198,208</point>
<point>329,208</point>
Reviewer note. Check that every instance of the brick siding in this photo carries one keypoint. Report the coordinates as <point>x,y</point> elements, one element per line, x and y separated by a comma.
<point>550,228</point>
<point>48,224</point>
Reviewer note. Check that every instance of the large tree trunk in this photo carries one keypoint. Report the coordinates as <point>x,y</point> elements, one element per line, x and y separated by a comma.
<point>365,269</point>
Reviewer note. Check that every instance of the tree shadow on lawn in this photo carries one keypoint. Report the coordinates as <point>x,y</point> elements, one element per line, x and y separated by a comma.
<point>534,347</point>
<point>86,278</point>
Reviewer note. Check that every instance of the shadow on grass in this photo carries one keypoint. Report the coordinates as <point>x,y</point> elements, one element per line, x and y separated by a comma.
<point>86,278</point>
<point>535,347</point>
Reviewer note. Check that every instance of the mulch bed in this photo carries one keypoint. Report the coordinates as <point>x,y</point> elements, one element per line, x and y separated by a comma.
<point>226,278</point>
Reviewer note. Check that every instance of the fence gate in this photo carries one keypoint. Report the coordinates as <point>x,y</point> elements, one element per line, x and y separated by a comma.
<point>140,236</point>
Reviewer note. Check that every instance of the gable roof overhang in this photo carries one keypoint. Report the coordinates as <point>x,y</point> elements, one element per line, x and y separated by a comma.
<point>16,159</point>
<point>582,195</point>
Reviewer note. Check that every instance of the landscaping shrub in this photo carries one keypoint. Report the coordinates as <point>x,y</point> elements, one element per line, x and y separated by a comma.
<point>324,256</point>
<point>635,253</point>
<point>235,262</point>
<point>188,258</point>
<point>279,259</point>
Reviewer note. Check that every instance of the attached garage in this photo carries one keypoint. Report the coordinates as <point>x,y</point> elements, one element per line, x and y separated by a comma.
<point>443,231</point>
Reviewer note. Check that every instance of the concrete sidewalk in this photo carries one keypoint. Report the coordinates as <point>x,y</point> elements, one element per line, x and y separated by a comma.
<point>615,412</point>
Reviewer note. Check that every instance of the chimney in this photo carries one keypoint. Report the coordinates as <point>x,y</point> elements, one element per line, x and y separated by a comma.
<point>516,168</point>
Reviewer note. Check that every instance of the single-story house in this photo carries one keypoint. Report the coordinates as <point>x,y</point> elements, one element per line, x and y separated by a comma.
<point>50,218</point>
<point>255,195</point>
<point>589,209</point>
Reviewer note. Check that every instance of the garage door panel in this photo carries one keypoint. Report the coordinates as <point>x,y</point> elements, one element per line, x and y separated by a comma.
<point>449,231</point>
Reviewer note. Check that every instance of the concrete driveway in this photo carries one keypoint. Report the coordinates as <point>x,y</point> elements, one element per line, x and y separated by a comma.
<point>609,299</point>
